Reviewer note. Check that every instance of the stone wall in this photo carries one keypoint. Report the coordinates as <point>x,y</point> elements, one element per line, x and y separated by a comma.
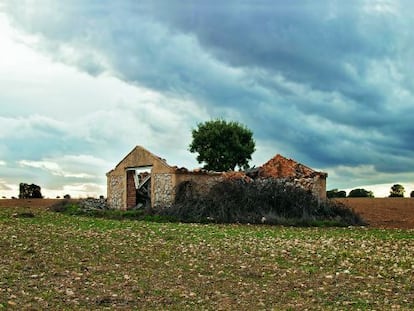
<point>280,167</point>
<point>201,182</point>
<point>315,184</point>
<point>163,189</point>
<point>165,179</point>
<point>115,191</point>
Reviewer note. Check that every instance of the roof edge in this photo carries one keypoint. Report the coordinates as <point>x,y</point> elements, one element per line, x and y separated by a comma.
<point>137,147</point>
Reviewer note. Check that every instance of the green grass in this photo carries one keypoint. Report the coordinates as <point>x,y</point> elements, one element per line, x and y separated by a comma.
<point>57,261</point>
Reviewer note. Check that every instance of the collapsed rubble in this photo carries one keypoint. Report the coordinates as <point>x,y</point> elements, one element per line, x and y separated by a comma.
<point>128,188</point>
<point>91,204</point>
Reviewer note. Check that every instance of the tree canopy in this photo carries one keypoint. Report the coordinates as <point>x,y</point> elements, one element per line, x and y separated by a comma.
<point>360,193</point>
<point>397,190</point>
<point>335,193</point>
<point>222,145</point>
<point>27,191</point>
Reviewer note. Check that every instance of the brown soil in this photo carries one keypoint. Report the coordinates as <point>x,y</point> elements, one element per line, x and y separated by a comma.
<point>384,212</point>
<point>31,203</point>
<point>377,212</point>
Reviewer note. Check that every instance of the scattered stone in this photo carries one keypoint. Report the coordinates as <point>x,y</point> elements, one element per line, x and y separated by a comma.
<point>90,204</point>
<point>23,215</point>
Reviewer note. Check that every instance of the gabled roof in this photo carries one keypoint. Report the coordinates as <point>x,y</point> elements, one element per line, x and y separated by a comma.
<point>142,150</point>
<point>281,167</point>
<point>277,167</point>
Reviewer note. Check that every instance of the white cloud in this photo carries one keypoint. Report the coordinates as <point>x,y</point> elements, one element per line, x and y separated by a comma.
<point>54,168</point>
<point>4,185</point>
<point>8,190</point>
<point>34,126</point>
<point>54,89</point>
<point>343,103</point>
<point>385,7</point>
<point>2,163</point>
<point>368,177</point>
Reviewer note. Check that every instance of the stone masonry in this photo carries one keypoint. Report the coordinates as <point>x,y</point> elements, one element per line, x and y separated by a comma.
<point>115,183</point>
<point>165,179</point>
<point>164,190</point>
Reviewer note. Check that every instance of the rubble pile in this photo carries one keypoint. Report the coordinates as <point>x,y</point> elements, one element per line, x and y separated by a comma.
<point>93,204</point>
<point>280,167</point>
<point>232,175</point>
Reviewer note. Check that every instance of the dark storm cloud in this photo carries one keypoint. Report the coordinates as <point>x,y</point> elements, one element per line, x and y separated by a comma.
<point>330,80</point>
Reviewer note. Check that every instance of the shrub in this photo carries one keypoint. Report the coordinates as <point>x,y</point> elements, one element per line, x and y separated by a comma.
<point>262,201</point>
<point>60,206</point>
<point>360,193</point>
<point>397,191</point>
<point>78,208</point>
<point>335,193</point>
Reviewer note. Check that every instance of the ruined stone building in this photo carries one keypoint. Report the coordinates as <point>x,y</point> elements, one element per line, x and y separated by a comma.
<point>144,179</point>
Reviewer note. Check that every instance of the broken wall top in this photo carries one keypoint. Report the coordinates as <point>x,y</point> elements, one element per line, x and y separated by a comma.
<point>277,167</point>
<point>281,167</point>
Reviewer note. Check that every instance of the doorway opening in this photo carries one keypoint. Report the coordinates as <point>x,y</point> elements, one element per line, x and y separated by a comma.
<point>139,187</point>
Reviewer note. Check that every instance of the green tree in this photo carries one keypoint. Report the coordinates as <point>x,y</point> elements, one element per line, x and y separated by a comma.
<point>335,193</point>
<point>27,191</point>
<point>412,194</point>
<point>360,193</point>
<point>397,191</point>
<point>222,145</point>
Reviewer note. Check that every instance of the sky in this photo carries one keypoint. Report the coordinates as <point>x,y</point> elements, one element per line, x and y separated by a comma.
<point>327,83</point>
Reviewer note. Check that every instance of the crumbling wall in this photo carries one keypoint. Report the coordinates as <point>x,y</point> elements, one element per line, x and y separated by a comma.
<point>201,181</point>
<point>121,182</point>
<point>314,184</point>
<point>163,189</point>
<point>281,167</point>
<point>115,191</point>
<point>319,187</point>
<point>165,179</point>
<point>300,175</point>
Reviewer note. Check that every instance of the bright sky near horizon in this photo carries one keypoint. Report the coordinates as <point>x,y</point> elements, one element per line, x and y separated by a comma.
<point>327,83</point>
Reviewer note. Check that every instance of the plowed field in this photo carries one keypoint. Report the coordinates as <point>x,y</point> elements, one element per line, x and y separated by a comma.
<point>384,212</point>
<point>32,203</point>
<point>377,212</point>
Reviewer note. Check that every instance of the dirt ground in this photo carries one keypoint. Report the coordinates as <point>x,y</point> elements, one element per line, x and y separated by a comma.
<point>384,212</point>
<point>377,212</point>
<point>31,203</point>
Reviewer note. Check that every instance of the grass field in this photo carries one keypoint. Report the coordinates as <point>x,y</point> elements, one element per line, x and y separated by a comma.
<point>52,261</point>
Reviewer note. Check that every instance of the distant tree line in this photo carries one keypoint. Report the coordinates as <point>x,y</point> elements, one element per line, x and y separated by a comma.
<point>335,193</point>
<point>397,191</point>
